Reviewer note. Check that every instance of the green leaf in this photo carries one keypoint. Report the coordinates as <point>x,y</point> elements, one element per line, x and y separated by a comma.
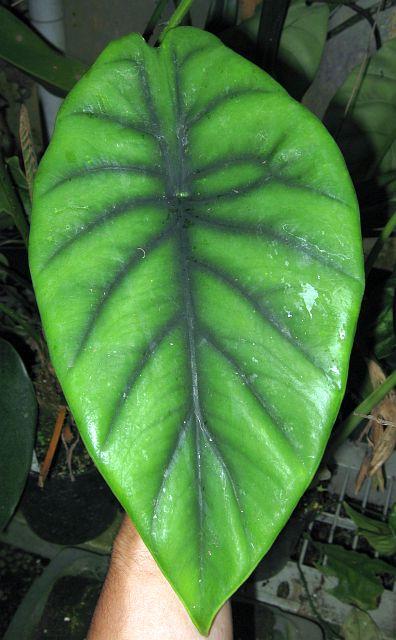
<point>222,14</point>
<point>392,520</point>
<point>181,10</point>
<point>18,410</point>
<point>364,522</point>
<point>357,574</point>
<point>383,331</point>
<point>23,48</point>
<point>10,203</point>
<point>20,182</point>
<point>367,132</point>
<point>378,534</point>
<point>198,297</point>
<point>301,44</point>
<point>359,625</point>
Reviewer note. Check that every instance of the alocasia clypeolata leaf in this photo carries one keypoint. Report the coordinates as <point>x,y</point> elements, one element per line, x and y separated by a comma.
<point>196,254</point>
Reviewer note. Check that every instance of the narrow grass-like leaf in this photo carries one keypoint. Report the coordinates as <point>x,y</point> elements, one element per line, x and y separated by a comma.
<point>10,203</point>
<point>27,146</point>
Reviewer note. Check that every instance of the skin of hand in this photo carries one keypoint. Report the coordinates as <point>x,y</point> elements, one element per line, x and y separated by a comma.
<point>137,602</point>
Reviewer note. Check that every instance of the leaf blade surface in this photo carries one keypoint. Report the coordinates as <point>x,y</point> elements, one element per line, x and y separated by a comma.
<point>174,237</point>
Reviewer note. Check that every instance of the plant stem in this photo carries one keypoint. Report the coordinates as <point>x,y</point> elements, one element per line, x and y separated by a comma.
<point>328,630</point>
<point>273,15</point>
<point>350,22</point>
<point>379,243</point>
<point>154,19</point>
<point>176,17</point>
<point>365,407</point>
<point>364,13</point>
<point>14,207</point>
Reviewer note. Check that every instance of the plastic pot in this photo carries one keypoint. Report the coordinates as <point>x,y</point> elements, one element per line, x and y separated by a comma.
<point>66,512</point>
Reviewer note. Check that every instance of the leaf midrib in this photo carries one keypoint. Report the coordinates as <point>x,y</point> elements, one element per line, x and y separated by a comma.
<point>183,187</point>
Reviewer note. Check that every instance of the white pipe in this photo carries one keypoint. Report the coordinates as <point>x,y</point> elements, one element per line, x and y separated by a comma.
<point>47,17</point>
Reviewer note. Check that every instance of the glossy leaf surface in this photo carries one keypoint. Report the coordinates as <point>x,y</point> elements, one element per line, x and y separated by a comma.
<point>196,256</point>
<point>18,411</point>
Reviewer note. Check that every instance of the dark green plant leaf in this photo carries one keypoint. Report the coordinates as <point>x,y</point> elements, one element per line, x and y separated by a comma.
<point>10,203</point>
<point>360,626</point>
<point>20,182</point>
<point>383,332</point>
<point>392,520</point>
<point>23,48</point>
<point>18,411</point>
<point>196,255</point>
<point>358,575</point>
<point>300,48</point>
<point>378,534</point>
<point>367,132</point>
<point>222,14</point>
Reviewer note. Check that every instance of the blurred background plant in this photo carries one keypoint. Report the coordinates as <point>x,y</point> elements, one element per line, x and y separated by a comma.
<point>339,59</point>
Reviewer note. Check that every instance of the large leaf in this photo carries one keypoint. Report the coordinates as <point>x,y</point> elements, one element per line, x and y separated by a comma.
<point>359,625</point>
<point>10,203</point>
<point>18,411</point>
<point>22,47</point>
<point>359,583</point>
<point>380,535</point>
<point>221,15</point>
<point>196,255</point>
<point>365,127</point>
<point>301,44</point>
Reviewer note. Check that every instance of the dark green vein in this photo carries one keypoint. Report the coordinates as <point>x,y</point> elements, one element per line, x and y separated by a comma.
<point>264,312</point>
<point>272,477</point>
<point>268,409</point>
<point>119,277</point>
<point>213,104</point>
<point>111,213</point>
<point>192,359</point>
<point>260,182</point>
<point>289,240</point>
<point>85,172</point>
<point>185,283</point>
<point>221,460</point>
<point>169,466</point>
<point>159,133</point>
<point>195,52</point>
<point>229,161</point>
<point>137,372</point>
<point>108,117</point>
<point>225,162</point>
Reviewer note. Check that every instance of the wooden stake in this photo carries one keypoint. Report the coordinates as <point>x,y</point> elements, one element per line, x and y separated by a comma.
<point>46,465</point>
